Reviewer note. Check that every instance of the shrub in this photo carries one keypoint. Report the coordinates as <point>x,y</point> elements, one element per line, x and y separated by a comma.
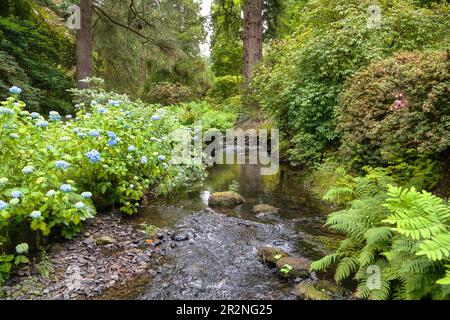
<point>411,256</point>
<point>167,93</point>
<point>206,114</point>
<point>226,87</point>
<point>54,170</point>
<point>301,77</point>
<point>397,110</point>
<point>40,58</point>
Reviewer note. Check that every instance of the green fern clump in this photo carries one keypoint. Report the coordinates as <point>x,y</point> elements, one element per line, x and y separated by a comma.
<point>402,232</point>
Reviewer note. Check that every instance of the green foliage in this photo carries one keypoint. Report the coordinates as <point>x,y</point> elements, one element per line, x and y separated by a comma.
<point>226,87</point>
<point>286,269</point>
<point>151,230</point>
<point>161,43</point>
<point>421,216</point>
<point>327,175</point>
<point>396,112</point>
<point>167,93</point>
<point>19,8</point>
<point>301,78</point>
<point>51,174</point>
<point>37,58</point>
<point>410,256</point>
<point>45,266</point>
<point>209,116</point>
<point>234,186</point>
<point>227,49</point>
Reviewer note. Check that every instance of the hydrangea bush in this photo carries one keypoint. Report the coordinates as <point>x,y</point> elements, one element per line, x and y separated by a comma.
<point>55,169</point>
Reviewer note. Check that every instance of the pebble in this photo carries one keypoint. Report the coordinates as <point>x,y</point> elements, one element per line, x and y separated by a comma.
<point>83,269</point>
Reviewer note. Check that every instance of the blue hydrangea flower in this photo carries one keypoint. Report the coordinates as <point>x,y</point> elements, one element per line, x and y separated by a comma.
<point>131,148</point>
<point>88,114</point>
<point>94,133</point>
<point>94,156</point>
<point>41,124</point>
<point>16,194</point>
<point>66,188</point>
<point>86,195</point>
<point>101,110</point>
<point>155,117</point>
<point>28,170</point>
<point>76,130</point>
<point>81,135</point>
<point>3,205</point>
<point>36,214</point>
<point>54,116</point>
<point>115,103</point>
<point>111,135</point>
<point>112,142</point>
<point>15,90</point>
<point>50,193</point>
<point>14,135</point>
<point>35,115</point>
<point>94,103</point>
<point>4,110</point>
<point>62,165</point>
<point>79,205</point>
<point>68,117</point>
<point>161,158</point>
<point>144,160</point>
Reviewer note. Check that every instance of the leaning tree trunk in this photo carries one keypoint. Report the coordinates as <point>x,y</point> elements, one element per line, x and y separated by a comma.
<point>253,35</point>
<point>85,44</point>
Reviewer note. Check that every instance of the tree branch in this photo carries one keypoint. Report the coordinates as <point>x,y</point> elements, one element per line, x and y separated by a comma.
<point>101,13</point>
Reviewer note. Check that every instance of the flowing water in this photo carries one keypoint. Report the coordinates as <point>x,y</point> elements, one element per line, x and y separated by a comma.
<point>220,261</point>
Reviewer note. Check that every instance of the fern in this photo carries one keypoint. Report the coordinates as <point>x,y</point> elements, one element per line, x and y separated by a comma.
<point>345,268</point>
<point>417,215</point>
<point>378,234</point>
<point>323,263</point>
<point>402,231</point>
<point>437,248</point>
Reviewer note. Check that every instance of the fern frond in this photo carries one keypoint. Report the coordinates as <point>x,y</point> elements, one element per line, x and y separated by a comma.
<point>345,268</point>
<point>323,263</point>
<point>378,234</point>
<point>437,248</point>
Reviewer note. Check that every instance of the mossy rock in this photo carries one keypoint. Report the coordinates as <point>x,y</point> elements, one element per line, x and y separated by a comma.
<point>105,240</point>
<point>307,291</point>
<point>328,287</point>
<point>271,255</point>
<point>298,267</point>
<point>264,208</point>
<point>225,199</point>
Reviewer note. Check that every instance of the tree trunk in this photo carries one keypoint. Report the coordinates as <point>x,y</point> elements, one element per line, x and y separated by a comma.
<point>85,45</point>
<point>253,35</point>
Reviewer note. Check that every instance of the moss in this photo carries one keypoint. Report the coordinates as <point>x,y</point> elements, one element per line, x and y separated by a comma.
<point>225,199</point>
<point>271,255</point>
<point>307,291</point>
<point>299,267</point>
<point>328,287</point>
<point>264,208</point>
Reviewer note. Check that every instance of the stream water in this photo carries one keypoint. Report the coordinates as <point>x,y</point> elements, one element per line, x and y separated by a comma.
<point>220,261</point>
